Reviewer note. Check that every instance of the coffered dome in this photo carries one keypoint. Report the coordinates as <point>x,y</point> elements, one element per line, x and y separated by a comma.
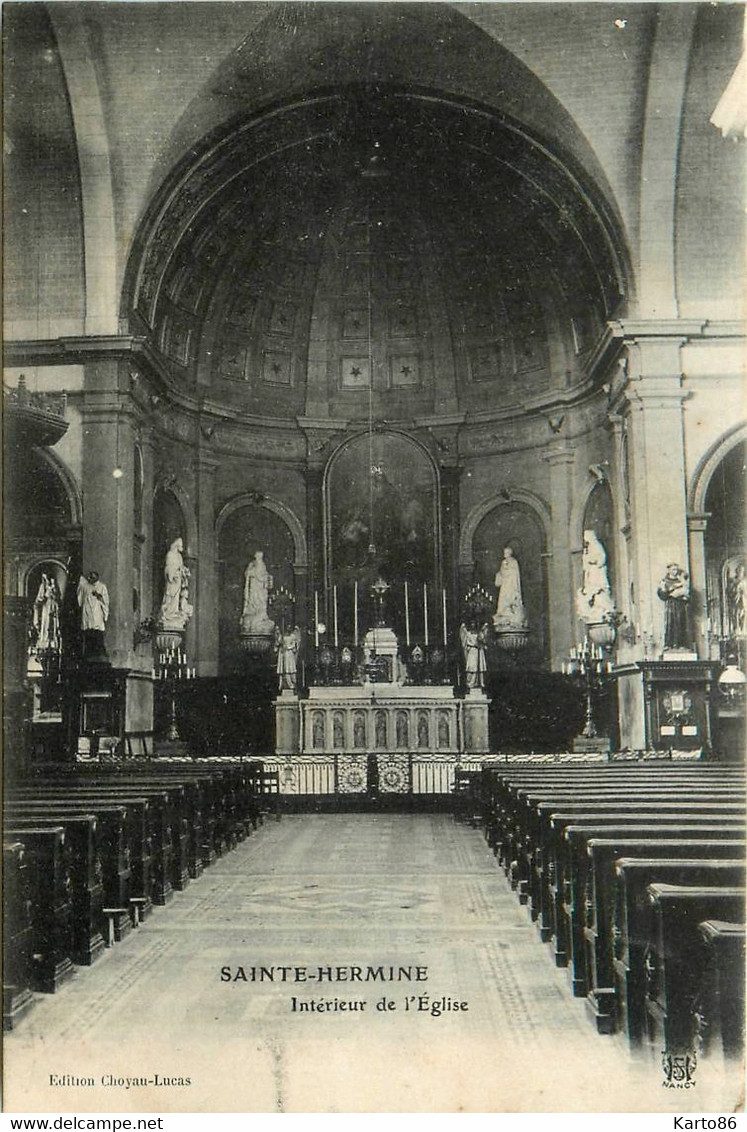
<point>428,248</point>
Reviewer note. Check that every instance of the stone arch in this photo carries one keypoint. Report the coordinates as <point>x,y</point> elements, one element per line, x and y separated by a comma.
<point>69,482</point>
<point>291,520</point>
<point>32,563</point>
<point>101,256</point>
<point>708,463</point>
<point>581,502</point>
<point>383,437</point>
<point>478,513</point>
<point>166,487</point>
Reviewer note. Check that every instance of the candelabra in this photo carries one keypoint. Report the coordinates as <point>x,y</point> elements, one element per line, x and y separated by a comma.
<point>588,663</point>
<point>172,670</point>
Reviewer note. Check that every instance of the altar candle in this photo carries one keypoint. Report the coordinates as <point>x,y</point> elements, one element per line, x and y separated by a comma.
<point>355,614</point>
<point>334,599</point>
<point>444,596</point>
<point>407,617</point>
<point>425,610</point>
<point>316,619</point>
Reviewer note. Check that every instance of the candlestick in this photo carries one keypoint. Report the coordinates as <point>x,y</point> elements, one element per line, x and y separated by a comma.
<point>425,611</point>
<point>444,597</point>
<point>355,613</point>
<point>316,619</point>
<point>334,600</point>
<point>407,617</point>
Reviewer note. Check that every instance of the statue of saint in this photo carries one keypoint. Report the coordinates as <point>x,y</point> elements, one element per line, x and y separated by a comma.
<point>594,600</point>
<point>674,591</point>
<point>47,614</point>
<point>287,666</point>
<point>510,613</point>
<point>257,586</point>
<point>93,599</point>
<point>473,647</point>
<point>736,599</point>
<point>175,609</point>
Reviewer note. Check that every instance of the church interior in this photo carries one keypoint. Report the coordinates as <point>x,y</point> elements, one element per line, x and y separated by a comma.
<point>374,549</point>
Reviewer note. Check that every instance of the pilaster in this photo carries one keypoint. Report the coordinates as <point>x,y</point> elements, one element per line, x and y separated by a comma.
<point>697,524</point>
<point>655,397</point>
<point>206,615</point>
<point>560,604</point>
<point>108,481</point>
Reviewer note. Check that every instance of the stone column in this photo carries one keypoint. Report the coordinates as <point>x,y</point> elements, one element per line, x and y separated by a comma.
<point>108,518</point>
<point>206,589</point>
<point>696,525</point>
<point>658,486</point>
<point>314,540</point>
<point>147,448</point>
<point>450,529</point>
<point>561,609</point>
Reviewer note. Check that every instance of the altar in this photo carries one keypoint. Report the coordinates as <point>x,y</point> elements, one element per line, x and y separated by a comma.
<point>385,738</point>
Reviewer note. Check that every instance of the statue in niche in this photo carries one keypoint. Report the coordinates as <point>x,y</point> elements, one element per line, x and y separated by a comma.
<point>594,601</point>
<point>287,666</point>
<point>359,730</point>
<point>736,600</point>
<point>338,733</point>
<point>443,729</point>
<point>403,731</point>
<point>257,585</point>
<point>674,591</point>
<point>510,614</point>
<point>93,599</point>
<point>380,728</point>
<point>175,609</point>
<point>317,730</point>
<point>473,649</point>
<point>47,614</point>
<point>422,729</point>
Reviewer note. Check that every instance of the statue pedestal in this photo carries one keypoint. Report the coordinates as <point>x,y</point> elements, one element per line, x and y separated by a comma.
<point>599,744</point>
<point>475,722</point>
<point>287,723</point>
<point>666,703</point>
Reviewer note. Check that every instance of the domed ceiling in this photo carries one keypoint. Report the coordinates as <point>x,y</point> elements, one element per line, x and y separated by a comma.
<point>397,243</point>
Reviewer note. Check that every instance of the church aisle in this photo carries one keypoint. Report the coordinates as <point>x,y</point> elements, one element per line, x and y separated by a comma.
<point>334,891</point>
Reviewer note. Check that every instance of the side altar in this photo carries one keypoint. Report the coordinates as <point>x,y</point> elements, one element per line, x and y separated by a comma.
<point>381,735</point>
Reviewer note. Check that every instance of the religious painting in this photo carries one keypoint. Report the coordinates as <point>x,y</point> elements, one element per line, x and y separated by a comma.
<point>381,511</point>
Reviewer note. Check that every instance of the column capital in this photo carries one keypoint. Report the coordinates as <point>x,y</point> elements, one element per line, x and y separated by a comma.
<point>558,456</point>
<point>205,462</point>
<point>698,520</point>
<point>657,392</point>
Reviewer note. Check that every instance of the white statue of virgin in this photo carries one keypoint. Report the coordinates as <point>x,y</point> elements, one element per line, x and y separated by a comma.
<point>594,600</point>
<point>257,585</point>
<point>510,614</point>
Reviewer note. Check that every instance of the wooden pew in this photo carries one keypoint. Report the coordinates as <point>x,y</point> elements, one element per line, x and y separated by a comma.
<point>675,958</point>
<point>532,838</point>
<point>51,908</point>
<point>713,863</point>
<point>115,845</point>
<point>496,786</point>
<point>17,935</point>
<point>568,858</point>
<point>720,1001</point>
<point>516,822</point>
<point>467,804</point>
<point>83,863</point>
<point>148,829</point>
<point>633,921</point>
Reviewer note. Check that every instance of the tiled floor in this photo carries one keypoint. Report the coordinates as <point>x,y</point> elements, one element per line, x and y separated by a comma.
<point>348,890</point>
